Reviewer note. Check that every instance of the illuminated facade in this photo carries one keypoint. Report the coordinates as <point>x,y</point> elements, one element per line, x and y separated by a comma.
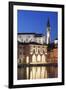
<point>33,53</point>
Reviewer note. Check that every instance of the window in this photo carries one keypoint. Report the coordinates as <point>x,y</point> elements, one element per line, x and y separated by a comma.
<point>43,59</point>
<point>34,58</point>
<point>27,59</point>
<point>39,58</point>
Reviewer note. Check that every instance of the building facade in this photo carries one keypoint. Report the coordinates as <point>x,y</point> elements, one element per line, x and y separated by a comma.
<point>33,54</point>
<point>52,57</point>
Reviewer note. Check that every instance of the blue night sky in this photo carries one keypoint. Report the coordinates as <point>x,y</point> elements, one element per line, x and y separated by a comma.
<point>36,22</point>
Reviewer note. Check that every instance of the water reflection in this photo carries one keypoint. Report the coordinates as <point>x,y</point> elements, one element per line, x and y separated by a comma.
<point>35,72</point>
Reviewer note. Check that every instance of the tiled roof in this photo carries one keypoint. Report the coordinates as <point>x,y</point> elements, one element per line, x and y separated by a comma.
<point>36,34</point>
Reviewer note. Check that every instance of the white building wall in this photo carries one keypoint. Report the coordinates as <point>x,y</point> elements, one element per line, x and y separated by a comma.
<point>31,38</point>
<point>26,38</point>
<point>40,40</point>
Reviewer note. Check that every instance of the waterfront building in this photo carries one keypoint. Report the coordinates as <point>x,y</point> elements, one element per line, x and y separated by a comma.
<point>35,54</point>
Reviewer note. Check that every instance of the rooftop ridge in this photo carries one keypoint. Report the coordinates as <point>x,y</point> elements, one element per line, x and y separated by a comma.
<point>36,34</point>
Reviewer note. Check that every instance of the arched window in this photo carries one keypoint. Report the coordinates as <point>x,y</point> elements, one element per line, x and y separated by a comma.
<point>39,58</point>
<point>43,59</point>
<point>27,59</point>
<point>34,58</point>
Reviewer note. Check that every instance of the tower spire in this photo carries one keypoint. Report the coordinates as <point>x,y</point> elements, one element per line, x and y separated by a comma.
<point>48,31</point>
<point>48,23</point>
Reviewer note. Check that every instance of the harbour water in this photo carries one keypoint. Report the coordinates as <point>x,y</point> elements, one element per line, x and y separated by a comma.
<point>37,72</point>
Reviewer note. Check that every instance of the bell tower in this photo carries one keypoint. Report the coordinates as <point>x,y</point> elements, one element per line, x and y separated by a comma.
<point>48,32</point>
